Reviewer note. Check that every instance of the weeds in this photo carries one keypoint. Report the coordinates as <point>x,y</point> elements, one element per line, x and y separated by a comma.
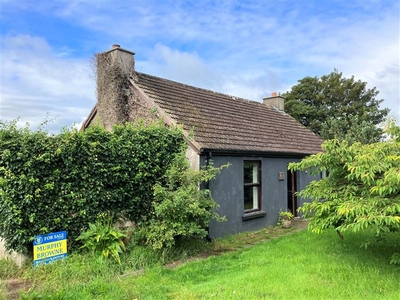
<point>103,239</point>
<point>8,269</point>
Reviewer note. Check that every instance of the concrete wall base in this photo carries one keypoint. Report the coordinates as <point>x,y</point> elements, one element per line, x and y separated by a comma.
<point>18,258</point>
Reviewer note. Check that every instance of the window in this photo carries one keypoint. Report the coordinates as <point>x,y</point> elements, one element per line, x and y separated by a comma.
<point>252,186</point>
<point>323,174</point>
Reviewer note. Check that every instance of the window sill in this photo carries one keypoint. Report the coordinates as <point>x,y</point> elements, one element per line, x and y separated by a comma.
<point>253,215</point>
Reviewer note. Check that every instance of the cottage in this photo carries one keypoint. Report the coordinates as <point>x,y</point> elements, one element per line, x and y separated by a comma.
<point>259,140</point>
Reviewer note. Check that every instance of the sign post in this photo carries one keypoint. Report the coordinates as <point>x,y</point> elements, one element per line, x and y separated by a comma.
<point>49,247</point>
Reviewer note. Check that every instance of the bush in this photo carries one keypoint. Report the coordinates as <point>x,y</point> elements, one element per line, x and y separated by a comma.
<point>180,208</point>
<point>362,190</point>
<point>51,183</point>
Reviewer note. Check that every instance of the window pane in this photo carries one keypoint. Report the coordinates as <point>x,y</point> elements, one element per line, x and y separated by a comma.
<point>251,197</point>
<point>255,197</point>
<point>251,172</point>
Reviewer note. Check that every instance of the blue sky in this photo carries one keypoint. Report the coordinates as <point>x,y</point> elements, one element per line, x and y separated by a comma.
<point>243,48</point>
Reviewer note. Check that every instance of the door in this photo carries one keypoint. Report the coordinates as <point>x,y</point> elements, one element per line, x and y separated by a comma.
<point>291,192</point>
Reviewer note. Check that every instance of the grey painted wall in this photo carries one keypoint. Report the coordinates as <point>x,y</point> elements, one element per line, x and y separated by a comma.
<point>228,191</point>
<point>303,179</point>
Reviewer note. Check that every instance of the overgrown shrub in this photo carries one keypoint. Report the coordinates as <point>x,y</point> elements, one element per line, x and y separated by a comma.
<point>62,182</point>
<point>181,208</point>
<point>362,190</point>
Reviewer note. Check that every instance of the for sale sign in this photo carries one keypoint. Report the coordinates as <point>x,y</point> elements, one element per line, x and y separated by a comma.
<point>50,247</point>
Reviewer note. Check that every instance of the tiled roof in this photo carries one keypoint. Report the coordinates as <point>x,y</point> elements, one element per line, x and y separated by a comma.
<point>228,123</point>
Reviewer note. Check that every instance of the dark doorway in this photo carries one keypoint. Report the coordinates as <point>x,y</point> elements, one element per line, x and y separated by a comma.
<point>291,192</point>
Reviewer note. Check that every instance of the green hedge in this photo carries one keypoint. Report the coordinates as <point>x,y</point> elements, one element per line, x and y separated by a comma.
<point>59,182</point>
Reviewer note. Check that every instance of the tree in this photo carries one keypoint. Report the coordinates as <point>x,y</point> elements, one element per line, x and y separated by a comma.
<point>360,131</point>
<point>362,190</point>
<point>347,104</point>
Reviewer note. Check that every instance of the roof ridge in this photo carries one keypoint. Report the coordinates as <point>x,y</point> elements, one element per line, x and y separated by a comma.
<point>199,88</point>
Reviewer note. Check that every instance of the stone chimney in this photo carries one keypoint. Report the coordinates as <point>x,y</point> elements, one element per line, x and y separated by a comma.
<point>122,58</point>
<point>114,67</point>
<point>275,101</point>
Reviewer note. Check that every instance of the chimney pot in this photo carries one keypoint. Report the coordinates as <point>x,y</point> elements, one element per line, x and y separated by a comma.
<point>273,94</point>
<point>114,46</point>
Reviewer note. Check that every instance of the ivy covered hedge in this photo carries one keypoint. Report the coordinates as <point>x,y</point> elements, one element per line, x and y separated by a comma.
<point>59,182</point>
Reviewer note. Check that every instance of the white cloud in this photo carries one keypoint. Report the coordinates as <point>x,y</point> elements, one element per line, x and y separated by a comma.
<point>244,48</point>
<point>182,66</point>
<point>35,80</point>
<point>190,69</point>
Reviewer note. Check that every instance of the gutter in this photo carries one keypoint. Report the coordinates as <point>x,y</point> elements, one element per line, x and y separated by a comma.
<point>235,152</point>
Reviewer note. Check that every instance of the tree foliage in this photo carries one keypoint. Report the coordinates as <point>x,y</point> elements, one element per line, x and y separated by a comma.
<point>360,131</point>
<point>337,107</point>
<point>362,190</point>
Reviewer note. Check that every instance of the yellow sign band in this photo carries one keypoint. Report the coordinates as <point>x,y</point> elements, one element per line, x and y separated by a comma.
<point>49,249</point>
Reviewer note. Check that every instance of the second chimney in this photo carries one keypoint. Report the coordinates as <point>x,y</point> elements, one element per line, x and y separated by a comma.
<point>275,101</point>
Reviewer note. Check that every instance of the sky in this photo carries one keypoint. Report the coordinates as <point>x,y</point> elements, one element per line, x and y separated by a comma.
<point>242,48</point>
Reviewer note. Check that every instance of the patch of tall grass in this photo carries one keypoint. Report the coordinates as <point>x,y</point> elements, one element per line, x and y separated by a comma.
<point>89,276</point>
<point>8,269</point>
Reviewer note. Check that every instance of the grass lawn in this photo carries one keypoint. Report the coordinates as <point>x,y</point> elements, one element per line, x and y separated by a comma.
<point>300,266</point>
<point>297,266</point>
